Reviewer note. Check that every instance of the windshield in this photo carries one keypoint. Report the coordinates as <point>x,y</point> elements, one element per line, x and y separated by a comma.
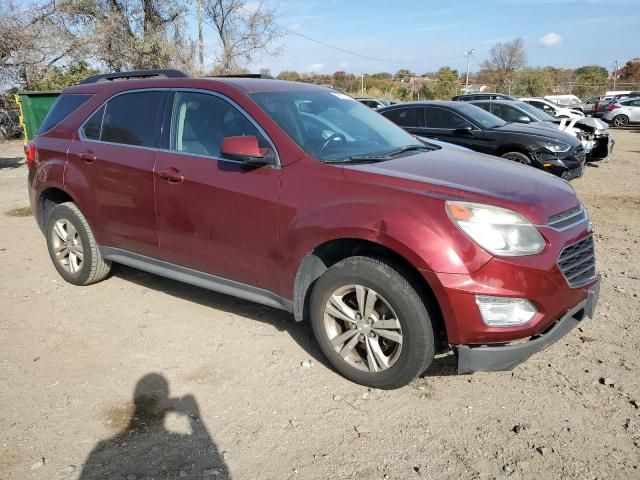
<point>536,113</point>
<point>332,126</point>
<point>477,114</point>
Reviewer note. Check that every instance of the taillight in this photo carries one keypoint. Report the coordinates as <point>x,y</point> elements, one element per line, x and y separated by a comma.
<point>611,107</point>
<point>31,153</point>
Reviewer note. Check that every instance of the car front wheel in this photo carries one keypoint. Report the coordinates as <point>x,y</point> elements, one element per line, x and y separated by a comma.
<point>371,324</point>
<point>517,157</point>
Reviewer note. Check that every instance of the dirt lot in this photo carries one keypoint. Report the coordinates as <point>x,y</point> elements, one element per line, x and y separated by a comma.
<point>269,407</point>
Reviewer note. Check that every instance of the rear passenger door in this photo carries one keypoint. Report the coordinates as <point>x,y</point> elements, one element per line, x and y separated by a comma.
<point>217,215</point>
<point>112,162</point>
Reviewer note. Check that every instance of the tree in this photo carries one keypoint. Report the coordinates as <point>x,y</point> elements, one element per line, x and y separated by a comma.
<point>505,59</point>
<point>34,39</point>
<point>58,78</point>
<point>381,76</point>
<point>590,79</point>
<point>245,32</point>
<point>403,74</point>
<point>446,83</point>
<point>630,72</point>
<point>132,34</point>
<point>289,75</point>
<point>425,92</point>
<point>533,82</point>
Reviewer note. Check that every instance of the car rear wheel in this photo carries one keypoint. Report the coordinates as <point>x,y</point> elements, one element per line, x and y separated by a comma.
<point>72,246</point>
<point>620,121</point>
<point>517,157</point>
<point>371,324</point>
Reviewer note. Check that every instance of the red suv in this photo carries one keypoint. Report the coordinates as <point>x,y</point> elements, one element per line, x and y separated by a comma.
<point>301,198</point>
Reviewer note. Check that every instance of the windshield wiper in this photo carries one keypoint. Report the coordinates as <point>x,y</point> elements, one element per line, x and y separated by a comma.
<point>407,148</point>
<point>379,157</point>
<point>359,159</point>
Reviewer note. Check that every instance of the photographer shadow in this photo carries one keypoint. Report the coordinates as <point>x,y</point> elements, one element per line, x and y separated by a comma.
<point>146,449</point>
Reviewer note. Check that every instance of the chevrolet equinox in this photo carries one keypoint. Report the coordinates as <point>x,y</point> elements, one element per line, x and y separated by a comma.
<point>299,197</point>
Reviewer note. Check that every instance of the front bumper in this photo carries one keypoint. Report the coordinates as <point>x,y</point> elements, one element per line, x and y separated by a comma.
<point>603,147</point>
<point>573,164</point>
<point>505,357</point>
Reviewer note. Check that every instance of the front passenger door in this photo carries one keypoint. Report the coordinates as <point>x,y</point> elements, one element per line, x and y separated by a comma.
<point>214,214</point>
<point>447,126</point>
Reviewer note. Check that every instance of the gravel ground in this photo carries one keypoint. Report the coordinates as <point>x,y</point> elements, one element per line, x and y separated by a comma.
<point>250,396</point>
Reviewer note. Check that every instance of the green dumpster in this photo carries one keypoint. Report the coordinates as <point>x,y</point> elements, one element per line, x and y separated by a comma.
<point>34,106</point>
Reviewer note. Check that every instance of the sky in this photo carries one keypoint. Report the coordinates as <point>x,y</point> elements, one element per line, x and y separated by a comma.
<point>423,35</point>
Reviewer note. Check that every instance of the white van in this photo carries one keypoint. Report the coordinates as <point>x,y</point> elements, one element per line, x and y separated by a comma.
<point>564,100</point>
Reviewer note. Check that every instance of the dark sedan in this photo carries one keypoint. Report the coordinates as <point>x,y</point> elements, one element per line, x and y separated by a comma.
<point>593,133</point>
<point>470,126</point>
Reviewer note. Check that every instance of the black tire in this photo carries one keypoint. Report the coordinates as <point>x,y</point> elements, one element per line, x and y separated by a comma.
<point>517,157</point>
<point>418,344</point>
<point>620,121</point>
<point>93,267</point>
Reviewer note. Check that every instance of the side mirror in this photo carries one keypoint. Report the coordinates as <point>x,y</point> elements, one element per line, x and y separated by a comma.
<point>523,119</point>
<point>466,130</point>
<point>245,149</point>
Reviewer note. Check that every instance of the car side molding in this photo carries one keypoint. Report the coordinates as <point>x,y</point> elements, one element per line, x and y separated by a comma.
<point>196,278</point>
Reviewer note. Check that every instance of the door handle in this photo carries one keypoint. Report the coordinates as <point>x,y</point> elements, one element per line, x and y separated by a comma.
<point>87,157</point>
<point>173,175</point>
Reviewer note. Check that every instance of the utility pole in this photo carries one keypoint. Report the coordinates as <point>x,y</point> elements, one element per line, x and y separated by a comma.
<point>615,74</point>
<point>362,85</point>
<point>468,54</point>
<point>200,40</point>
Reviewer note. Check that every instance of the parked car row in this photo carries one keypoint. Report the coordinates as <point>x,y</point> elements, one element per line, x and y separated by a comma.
<point>465,124</point>
<point>301,198</point>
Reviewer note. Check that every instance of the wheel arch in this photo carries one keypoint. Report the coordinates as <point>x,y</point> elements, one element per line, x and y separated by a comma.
<point>513,148</point>
<point>322,257</point>
<point>49,197</point>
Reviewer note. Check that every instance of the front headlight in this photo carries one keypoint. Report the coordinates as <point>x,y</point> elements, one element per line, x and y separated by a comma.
<point>556,147</point>
<point>498,230</point>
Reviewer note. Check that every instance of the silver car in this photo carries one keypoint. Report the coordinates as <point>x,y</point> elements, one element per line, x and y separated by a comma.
<point>623,112</point>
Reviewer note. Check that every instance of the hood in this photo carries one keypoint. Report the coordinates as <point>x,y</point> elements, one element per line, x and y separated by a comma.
<point>594,123</point>
<point>540,131</point>
<point>466,175</point>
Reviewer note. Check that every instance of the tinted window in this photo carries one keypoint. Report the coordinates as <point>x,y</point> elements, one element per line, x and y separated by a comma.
<point>201,121</point>
<point>484,105</point>
<point>441,118</point>
<point>480,116</point>
<point>61,109</point>
<point>131,119</point>
<point>506,112</point>
<point>93,126</point>
<point>405,117</point>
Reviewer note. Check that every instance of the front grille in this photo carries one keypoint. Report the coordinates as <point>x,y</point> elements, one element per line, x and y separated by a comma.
<point>567,218</point>
<point>577,262</point>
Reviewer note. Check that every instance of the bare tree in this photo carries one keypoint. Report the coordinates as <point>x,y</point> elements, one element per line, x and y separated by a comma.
<point>34,40</point>
<point>245,32</point>
<point>505,59</point>
<point>133,34</point>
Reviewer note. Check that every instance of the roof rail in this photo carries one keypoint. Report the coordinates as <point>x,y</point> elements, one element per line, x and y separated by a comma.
<point>106,77</point>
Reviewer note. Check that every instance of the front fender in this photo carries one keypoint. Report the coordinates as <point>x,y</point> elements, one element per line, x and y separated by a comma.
<point>428,241</point>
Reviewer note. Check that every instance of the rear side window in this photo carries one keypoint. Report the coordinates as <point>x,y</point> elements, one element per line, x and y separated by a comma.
<point>61,109</point>
<point>405,117</point>
<point>129,119</point>
<point>93,126</point>
<point>441,118</point>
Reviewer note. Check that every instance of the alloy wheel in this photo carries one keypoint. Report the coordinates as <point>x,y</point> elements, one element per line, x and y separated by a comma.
<point>363,328</point>
<point>67,245</point>
<point>620,121</point>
